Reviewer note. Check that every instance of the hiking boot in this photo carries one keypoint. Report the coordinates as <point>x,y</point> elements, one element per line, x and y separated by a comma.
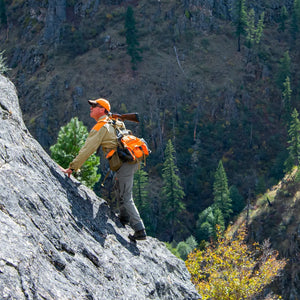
<point>138,235</point>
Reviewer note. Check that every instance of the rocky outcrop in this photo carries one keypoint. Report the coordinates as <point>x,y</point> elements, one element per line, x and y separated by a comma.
<point>59,240</point>
<point>56,15</point>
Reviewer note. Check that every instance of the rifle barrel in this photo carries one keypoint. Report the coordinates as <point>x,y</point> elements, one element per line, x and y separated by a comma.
<point>133,117</point>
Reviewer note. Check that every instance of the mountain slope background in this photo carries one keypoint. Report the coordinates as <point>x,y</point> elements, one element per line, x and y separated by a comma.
<point>192,85</point>
<point>274,216</point>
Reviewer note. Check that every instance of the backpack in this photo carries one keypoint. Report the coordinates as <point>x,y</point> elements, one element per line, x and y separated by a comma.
<point>130,148</point>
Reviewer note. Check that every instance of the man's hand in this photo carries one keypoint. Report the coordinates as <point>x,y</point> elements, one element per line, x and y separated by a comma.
<point>66,171</point>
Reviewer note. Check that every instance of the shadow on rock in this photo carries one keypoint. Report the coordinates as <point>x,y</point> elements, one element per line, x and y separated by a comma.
<point>92,213</point>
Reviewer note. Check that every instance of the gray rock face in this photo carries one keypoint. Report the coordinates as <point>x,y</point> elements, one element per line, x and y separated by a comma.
<point>58,240</point>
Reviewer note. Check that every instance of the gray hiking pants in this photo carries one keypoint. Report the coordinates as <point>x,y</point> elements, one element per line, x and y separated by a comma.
<point>124,185</point>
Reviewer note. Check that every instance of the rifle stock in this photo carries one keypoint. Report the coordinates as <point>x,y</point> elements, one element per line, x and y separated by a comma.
<point>133,117</point>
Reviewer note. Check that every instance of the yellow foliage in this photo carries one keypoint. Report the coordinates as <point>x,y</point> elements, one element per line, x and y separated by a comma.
<point>231,270</point>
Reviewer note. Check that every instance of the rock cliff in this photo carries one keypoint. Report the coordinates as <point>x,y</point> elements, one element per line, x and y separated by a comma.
<point>58,240</point>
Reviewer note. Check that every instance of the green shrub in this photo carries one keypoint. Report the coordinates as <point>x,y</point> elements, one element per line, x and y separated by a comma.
<point>70,140</point>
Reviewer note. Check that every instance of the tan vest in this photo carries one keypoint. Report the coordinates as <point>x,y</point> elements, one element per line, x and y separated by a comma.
<point>102,134</point>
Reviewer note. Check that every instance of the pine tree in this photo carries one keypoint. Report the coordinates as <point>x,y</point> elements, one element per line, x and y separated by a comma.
<point>207,221</point>
<point>140,192</point>
<point>295,23</point>
<point>250,29</point>
<point>259,28</point>
<point>70,140</point>
<point>240,20</point>
<point>284,69</point>
<point>184,248</point>
<point>140,185</point>
<point>191,241</point>
<point>286,98</point>
<point>221,192</point>
<point>172,191</point>
<point>131,38</point>
<point>283,17</point>
<point>253,32</point>
<point>294,141</point>
<point>238,202</point>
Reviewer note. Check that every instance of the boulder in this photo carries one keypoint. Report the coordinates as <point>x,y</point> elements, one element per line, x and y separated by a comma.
<point>59,240</point>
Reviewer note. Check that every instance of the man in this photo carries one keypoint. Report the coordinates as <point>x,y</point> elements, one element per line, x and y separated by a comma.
<point>103,134</point>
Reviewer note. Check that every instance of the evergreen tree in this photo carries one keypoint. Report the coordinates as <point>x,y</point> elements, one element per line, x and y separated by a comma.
<point>294,141</point>
<point>140,191</point>
<point>70,140</point>
<point>254,33</point>
<point>221,192</point>
<point>238,202</point>
<point>191,241</point>
<point>172,191</point>
<point>286,98</point>
<point>284,69</point>
<point>207,221</point>
<point>295,23</point>
<point>250,28</point>
<point>184,248</point>
<point>240,20</point>
<point>259,28</point>
<point>283,17</point>
<point>140,185</point>
<point>131,38</point>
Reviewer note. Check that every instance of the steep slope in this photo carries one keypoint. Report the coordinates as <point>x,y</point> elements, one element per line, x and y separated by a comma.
<point>59,241</point>
<point>275,216</point>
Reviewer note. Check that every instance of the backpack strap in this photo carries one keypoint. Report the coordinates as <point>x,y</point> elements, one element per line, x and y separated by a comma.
<point>99,125</point>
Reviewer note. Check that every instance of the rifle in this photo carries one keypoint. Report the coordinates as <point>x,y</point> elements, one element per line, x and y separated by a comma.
<point>133,117</point>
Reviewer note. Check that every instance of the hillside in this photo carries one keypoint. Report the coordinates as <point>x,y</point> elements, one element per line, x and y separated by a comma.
<point>192,85</point>
<point>59,240</point>
<point>275,216</point>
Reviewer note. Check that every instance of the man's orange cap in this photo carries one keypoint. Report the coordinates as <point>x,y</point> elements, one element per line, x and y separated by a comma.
<point>101,101</point>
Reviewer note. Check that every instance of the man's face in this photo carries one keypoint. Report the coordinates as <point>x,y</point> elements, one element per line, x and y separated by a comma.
<point>96,112</point>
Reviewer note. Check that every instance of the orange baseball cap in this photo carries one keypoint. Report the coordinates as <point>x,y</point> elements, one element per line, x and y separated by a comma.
<point>101,101</point>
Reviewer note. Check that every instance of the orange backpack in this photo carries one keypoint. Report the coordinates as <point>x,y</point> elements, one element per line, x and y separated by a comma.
<point>136,148</point>
<point>131,148</point>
